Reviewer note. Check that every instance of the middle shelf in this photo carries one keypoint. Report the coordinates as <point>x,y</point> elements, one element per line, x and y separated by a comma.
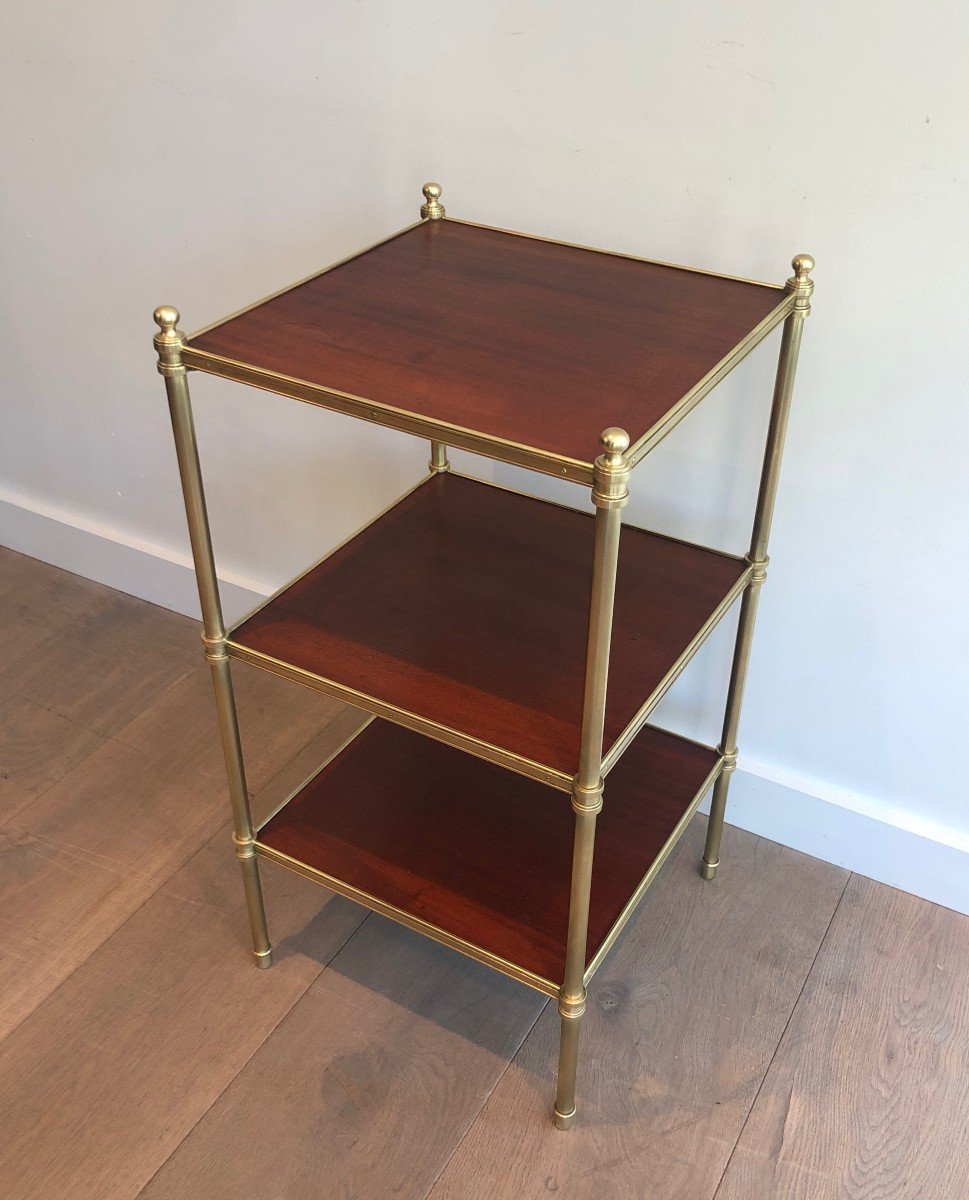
<point>462,613</point>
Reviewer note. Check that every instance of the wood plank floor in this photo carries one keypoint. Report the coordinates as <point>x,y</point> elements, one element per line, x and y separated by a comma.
<point>788,1031</point>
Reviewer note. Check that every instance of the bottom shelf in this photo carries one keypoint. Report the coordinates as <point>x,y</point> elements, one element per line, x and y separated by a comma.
<point>479,858</point>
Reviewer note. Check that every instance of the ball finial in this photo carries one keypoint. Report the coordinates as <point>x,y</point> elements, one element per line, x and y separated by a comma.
<point>432,209</point>
<point>615,442</point>
<point>803,265</point>
<point>166,318</point>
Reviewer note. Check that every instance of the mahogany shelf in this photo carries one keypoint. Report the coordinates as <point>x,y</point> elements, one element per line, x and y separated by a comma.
<point>463,612</point>
<point>480,860</point>
<point>516,347</point>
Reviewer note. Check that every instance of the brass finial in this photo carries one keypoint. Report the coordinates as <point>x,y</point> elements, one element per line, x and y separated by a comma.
<point>615,442</point>
<point>169,341</point>
<point>166,318</point>
<point>432,209</point>
<point>803,265</point>
<point>801,283</point>
<point>611,470</point>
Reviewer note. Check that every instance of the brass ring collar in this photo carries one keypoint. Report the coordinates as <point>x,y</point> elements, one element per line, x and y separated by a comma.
<point>587,799</point>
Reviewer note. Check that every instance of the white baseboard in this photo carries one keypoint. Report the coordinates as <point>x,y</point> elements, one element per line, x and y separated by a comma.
<point>878,840</point>
<point>884,842</point>
<point>156,573</point>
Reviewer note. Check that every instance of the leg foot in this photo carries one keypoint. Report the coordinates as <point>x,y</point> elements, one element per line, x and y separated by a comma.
<point>564,1120</point>
<point>718,805</point>
<point>262,949</point>
<point>570,1011</point>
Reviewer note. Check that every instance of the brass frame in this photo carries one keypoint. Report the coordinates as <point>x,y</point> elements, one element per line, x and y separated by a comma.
<point>608,475</point>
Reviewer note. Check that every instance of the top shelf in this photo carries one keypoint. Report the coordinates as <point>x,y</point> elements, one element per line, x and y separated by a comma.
<point>517,348</point>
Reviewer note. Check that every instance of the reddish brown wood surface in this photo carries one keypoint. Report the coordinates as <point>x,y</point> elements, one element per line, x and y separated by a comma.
<point>480,853</point>
<point>468,605</point>
<point>533,342</point>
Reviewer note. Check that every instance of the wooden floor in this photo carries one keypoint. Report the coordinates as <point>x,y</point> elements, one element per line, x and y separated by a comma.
<point>788,1031</point>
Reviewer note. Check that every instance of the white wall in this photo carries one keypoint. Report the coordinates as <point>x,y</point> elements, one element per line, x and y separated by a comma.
<point>206,154</point>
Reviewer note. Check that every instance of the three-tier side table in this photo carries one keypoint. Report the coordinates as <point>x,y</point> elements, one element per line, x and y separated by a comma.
<point>508,650</point>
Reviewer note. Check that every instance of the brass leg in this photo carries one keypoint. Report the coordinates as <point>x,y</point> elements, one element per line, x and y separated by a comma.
<point>571,1013</point>
<point>728,740</point>
<point>169,346</point>
<point>439,460</point>
<point>572,994</point>
<point>243,836</point>
<point>801,286</point>
<point>718,807</point>
<point>609,494</point>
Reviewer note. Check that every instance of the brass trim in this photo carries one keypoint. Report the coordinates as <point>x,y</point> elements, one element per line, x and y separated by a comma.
<point>572,1008</point>
<point>341,262</point>
<point>587,799</point>
<point>391,712</point>
<point>683,407</point>
<point>545,986</point>
<point>655,262</point>
<point>621,744</point>
<point>635,899</point>
<point>377,413</point>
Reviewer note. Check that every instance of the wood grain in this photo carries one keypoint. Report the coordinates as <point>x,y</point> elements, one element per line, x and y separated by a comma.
<point>56,907</point>
<point>367,1086</point>
<point>101,1083</point>
<point>868,1094</point>
<point>38,747</point>
<point>682,1021</point>
<point>479,853</point>
<point>276,718</point>
<point>536,343</point>
<point>109,665</point>
<point>39,601</point>
<point>469,606</point>
<point>86,853</point>
<point>13,798</point>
